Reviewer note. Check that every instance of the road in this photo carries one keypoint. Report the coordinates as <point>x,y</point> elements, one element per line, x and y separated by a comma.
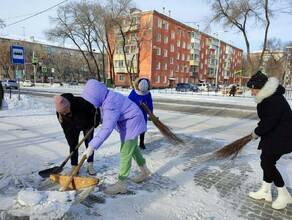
<point>186,106</point>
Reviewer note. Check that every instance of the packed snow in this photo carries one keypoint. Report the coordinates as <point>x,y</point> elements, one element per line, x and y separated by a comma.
<point>32,140</point>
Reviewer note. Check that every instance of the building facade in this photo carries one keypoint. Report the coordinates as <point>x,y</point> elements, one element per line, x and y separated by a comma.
<point>171,52</point>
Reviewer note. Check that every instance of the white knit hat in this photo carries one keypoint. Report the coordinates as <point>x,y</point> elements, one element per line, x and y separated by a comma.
<point>143,85</point>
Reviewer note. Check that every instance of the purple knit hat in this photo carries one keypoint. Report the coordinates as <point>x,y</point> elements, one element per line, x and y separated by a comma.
<point>62,104</point>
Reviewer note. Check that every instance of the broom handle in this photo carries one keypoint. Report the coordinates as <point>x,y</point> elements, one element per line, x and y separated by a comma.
<point>76,170</point>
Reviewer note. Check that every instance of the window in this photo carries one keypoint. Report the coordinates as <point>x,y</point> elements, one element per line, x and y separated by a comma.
<point>177,56</point>
<point>171,48</point>
<point>165,25</point>
<point>182,56</point>
<point>119,63</point>
<point>184,45</point>
<point>176,68</point>
<point>165,66</point>
<point>178,43</point>
<point>165,41</point>
<point>172,34</point>
<point>178,31</point>
<point>158,51</point>
<point>158,38</point>
<point>157,79</point>
<point>164,79</point>
<point>171,73</point>
<point>158,66</point>
<point>159,23</point>
<point>133,37</point>
<point>121,78</point>
<point>165,53</point>
<point>171,60</point>
<point>184,33</point>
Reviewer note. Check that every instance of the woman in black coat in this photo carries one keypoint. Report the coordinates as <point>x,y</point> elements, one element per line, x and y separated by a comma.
<point>75,114</point>
<point>275,131</point>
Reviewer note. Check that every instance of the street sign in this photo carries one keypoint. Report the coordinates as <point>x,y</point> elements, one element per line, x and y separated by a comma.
<point>17,54</point>
<point>18,74</point>
<point>34,60</point>
<point>44,69</point>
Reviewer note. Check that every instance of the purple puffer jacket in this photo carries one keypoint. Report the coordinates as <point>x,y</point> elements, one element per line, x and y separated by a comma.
<point>118,112</point>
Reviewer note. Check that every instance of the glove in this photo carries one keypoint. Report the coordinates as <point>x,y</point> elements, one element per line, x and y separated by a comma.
<point>88,152</point>
<point>254,135</point>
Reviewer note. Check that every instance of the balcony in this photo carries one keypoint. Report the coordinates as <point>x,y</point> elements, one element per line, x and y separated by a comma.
<point>194,63</point>
<point>211,75</point>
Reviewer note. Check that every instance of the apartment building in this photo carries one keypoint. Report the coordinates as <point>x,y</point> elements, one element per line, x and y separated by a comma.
<point>171,52</point>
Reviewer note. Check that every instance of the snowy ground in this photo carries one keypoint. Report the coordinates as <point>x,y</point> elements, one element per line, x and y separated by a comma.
<point>32,140</point>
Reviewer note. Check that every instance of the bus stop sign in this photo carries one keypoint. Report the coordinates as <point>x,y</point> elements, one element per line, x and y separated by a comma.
<point>17,54</point>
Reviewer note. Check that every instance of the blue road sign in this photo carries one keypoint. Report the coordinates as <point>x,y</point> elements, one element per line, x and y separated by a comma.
<point>17,54</point>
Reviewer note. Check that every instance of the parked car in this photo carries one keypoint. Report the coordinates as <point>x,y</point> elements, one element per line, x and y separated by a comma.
<point>72,82</point>
<point>28,83</point>
<point>9,84</point>
<point>194,88</point>
<point>186,87</point>
<point>203,86</point>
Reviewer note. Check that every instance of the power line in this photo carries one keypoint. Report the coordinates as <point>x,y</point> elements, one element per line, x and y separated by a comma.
<point>38,13</point>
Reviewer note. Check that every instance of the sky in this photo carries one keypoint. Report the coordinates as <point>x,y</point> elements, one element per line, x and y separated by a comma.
<point>32,140</point>
<point>191,11</point>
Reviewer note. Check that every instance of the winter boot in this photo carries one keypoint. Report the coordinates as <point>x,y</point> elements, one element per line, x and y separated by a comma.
<point>284,198</point>
<point>118,187</point>
<point>263,193</point>
<point>90,169</point>
<point>142,137</point>
<point>145,173</point>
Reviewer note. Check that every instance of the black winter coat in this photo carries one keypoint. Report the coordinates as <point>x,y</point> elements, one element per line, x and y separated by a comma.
<point>83,116</point>
<point>275,125</point>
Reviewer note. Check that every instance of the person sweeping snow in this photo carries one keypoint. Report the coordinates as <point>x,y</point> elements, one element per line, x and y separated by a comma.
<point>274,130</point>
<point>120,113</point>
<point>141,94</point>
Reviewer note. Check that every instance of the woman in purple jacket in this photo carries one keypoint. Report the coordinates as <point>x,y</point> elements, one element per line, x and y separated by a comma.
<point>120,113</point>
<point>141,94</point>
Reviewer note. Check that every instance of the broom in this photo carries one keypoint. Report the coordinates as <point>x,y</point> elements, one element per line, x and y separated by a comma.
<point>232,149</point>
<point>166,132</point>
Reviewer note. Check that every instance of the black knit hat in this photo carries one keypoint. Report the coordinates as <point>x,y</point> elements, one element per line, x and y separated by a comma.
<point>257,81</point>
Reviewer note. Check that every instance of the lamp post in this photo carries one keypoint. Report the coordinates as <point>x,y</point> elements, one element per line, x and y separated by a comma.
<point>218,63</point>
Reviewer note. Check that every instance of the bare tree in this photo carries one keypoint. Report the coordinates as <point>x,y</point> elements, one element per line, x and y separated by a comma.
<point>75,22</point>
<point>239,14</point>
<point>5,62</point>
<point>133,33</point>
<point>114,10</point>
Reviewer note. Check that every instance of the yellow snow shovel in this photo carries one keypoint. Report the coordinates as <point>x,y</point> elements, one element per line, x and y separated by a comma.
<point>74,182</point>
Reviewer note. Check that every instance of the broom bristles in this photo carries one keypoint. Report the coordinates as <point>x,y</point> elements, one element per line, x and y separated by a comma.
<point>233,149</point>
<point>165,131</point>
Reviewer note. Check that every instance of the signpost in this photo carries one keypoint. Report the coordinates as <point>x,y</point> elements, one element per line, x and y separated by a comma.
<point>17,54</point>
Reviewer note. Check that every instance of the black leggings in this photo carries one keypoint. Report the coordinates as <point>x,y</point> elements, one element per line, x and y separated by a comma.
<point>74,158</point>
<point>271,173</point>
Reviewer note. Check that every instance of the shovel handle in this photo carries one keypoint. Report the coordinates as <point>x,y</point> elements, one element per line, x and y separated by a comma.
<point>76,148</point>
<point>76,170</point>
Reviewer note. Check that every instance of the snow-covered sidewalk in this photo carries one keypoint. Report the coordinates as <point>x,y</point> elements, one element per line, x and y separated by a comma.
<point>32,140</point>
